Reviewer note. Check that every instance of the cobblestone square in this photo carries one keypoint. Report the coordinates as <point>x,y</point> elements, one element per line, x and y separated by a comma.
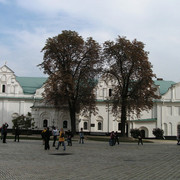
<point>27,160</point>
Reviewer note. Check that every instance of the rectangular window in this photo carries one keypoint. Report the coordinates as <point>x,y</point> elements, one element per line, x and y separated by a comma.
<point>92,125</point>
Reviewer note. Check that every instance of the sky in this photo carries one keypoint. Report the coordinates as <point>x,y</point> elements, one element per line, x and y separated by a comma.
<point>25,25</point>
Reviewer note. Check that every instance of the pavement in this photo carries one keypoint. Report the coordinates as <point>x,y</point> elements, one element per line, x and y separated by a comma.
<point>27,160</point>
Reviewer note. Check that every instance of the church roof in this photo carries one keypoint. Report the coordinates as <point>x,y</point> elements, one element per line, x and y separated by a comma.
<point>164,85</point>
<point>30,84</point>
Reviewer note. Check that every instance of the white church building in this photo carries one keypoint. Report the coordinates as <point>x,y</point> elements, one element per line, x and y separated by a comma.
<point>20,95</point>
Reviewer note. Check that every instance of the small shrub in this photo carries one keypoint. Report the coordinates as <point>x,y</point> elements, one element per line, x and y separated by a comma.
<point>158,133</point>
<point>135,133</point>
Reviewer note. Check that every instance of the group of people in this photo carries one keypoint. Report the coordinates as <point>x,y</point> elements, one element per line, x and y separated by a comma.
<point>4,132</point>
<point>55,133</point>
<point>114,138</point>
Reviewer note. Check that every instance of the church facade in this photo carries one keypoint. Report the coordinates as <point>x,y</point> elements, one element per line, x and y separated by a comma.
<point>20,95</point>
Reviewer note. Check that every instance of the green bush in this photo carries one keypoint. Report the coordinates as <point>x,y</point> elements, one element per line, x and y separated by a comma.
<point>135,133</point>
<point>158,133</point>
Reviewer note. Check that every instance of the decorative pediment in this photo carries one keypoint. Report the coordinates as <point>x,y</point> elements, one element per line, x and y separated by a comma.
<point>173,93</point>
<point>5,69</point>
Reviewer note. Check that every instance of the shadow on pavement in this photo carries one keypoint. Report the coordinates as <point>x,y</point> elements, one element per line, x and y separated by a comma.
<point>61,154</point>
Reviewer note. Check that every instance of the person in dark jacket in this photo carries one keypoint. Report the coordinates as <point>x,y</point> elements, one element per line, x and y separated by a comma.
<point>2,132</point>
<point>140,139</point>
<point>17,133</point>
<point>5,126</point>
<point>116,138</point>
<point>69,136</point>
<point>112,139</point>
<point>81,136</point>
<point>47,135</point>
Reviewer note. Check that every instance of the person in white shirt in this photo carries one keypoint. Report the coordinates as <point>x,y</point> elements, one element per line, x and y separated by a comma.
<point>55,134</point>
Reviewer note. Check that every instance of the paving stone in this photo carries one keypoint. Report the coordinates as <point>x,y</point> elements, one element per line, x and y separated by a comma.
<point>28,160</point>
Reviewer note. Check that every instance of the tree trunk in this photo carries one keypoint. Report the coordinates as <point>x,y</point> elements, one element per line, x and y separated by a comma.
<point>72,112</point>
<point>123,120</point>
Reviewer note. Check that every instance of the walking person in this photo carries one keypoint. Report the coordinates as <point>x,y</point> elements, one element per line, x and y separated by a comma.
<point>178,140</point>
<point>140,139</point>
<point>5,126</point>
<point>46,139</point>
<point>112,139</point>
<point>61,139</point>
<point>43,135</point>
<point>2,132</point>
<point>81,136</point>
<point>55,134</point>
<point>116,138</point>
<point>17,133</point>
<point>69,138</point>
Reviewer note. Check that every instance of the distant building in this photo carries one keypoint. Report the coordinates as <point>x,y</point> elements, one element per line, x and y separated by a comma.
<point>20,95</point>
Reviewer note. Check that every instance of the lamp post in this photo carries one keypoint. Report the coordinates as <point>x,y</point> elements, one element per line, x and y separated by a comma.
<point>108,99</point>
<point>108,115</point>
<point>53,122</point>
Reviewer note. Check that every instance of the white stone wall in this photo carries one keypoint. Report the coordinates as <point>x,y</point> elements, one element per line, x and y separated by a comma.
<point>14,101</point>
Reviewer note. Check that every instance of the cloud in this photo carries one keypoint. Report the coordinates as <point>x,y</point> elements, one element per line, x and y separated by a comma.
<point>24,54</point>
<point>104,11</point>
<point>153,22</point>
<point>4,1</point>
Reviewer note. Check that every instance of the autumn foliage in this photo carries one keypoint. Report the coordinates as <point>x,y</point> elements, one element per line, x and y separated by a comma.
<point>74,65</point>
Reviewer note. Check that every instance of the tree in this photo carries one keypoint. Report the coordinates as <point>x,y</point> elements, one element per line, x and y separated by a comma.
<point>72,65</point>
<point>131,72</point>
<point>24,122</point>
<point>158,133</point>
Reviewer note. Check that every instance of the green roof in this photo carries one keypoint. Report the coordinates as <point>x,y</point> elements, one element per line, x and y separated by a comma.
<point>164,85</point>
<point>30,84</point>
<point>145,120</point>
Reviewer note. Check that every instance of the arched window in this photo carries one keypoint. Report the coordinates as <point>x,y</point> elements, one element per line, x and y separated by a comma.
<point>65,124</point>
<point>3,88</point>
<point>99,125</point>
<point>45,123</point>
<point>85,125</point>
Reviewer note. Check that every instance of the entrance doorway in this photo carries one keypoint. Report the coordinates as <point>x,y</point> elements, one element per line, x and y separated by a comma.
<point>143,133</point>
<point>45,123</point>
